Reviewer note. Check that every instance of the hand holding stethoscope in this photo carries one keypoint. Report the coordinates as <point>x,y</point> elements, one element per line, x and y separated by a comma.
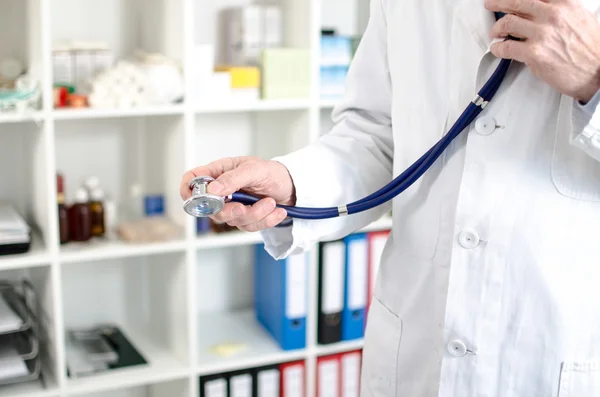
<point>260,178</point>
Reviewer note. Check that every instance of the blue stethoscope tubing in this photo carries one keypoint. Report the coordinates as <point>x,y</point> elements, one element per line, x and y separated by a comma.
<point>411,174</point>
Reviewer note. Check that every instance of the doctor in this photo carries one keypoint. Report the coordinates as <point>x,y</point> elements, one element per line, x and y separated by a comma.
<point>489,284</point>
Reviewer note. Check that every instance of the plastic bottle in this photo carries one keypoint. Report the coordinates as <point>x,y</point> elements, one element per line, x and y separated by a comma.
<point>91,183</point>
<point>80,221</point>
<point>63,213</point>
<point>110,218</point>
<point>98,228</point>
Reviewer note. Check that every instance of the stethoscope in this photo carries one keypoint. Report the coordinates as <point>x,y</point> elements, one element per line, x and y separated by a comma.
<point>203,204</point>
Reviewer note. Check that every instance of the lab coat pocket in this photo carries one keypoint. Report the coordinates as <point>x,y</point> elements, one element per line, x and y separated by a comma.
<point>580,379</point>
<point>380,355</point>
<point>575,174</point>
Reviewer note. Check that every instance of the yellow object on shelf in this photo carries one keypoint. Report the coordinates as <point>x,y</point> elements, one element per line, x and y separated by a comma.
<point>242,76</point>
<point>227,349</point>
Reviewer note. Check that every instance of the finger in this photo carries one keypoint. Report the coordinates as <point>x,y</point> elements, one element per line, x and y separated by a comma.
<point>227,214</point>
<point>240,177</point>
<point>273,219</point>
<point>512,25</point>
<point>510,49</point>
<point>213,169</point>
<point>528,8</point>
<point>252,213</point>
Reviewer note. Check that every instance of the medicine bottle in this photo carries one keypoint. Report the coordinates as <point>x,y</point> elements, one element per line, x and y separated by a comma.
<point>63,213</point>
<point>97,213</point>
<point>80,221</point>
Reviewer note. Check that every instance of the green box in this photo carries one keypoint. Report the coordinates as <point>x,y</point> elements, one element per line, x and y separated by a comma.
<point>285,73</point>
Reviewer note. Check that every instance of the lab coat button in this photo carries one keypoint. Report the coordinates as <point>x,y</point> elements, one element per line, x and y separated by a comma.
<point>468,239</point>
<point>485,125</point>
<point>457,349</point>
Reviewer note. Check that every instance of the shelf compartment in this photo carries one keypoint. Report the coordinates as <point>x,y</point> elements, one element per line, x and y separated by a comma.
<point>23,165</point>
<point>229,335</point>
<point>145,298</point>
<point>237,330</point>
<point>145,159</point>
<point>20,27</point>
<point>41,305</point>
<point>171,388</point>
<point>93,38</point>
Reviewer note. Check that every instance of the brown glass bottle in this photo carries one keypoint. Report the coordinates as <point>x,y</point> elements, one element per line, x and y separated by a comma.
<point>63,214</point>
<point>97,213</point>
<point>80,220</point>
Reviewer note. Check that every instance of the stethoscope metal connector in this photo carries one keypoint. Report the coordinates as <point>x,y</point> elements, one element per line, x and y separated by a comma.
<point>202,204</point>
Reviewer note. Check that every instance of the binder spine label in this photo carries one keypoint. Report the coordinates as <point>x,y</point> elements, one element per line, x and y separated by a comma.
<point>351,374</point>
<point>333,276</point>
<point>268,383</point>
<point>357,277</point>
<point>296,287</point>
<point>293,381</point>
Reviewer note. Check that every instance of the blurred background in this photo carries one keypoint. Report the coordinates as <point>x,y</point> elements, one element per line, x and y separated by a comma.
<point>107,288</point>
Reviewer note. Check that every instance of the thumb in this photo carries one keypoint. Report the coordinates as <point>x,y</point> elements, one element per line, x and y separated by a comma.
<point>234,180</point>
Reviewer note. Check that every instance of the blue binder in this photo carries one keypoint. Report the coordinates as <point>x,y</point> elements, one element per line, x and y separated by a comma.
<point>280,290</point>
<point>355,286</point>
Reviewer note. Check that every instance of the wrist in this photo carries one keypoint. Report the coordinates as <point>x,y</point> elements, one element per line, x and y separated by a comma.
<point>589,90</point>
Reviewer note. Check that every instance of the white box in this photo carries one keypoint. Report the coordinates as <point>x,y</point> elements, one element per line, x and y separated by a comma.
<point>63,68</point>
<point>84,69</point>
<point>250,29</point>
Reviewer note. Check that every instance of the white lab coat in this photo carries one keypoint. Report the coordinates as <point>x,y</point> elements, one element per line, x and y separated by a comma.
<point>489,285</point>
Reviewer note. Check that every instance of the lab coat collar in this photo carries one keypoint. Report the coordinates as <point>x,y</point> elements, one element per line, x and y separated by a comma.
<point>477,19</point>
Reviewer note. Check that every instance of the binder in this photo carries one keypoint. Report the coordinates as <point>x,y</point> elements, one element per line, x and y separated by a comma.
<point>328,376</point>
<point>350,369</point>
<point>214,386</point>
<point>376,243</point>
<point>293,379</point>
<point>280,289</point>
<point>267,381</point>
<point>240,384</point>
<point>355,289</point>
<point>332,259</point>
<point>338,375</point>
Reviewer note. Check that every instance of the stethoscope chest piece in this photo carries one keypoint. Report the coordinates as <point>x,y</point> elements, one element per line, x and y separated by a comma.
<point>201,203</point>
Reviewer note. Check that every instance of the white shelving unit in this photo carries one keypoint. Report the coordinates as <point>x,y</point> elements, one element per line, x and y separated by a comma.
<point>174,299</point>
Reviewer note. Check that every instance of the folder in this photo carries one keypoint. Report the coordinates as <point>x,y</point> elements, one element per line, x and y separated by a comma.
<point>267,381</point>
<point>293,379</point>
<point>328,376</point>
<point>350,369</point>
<point>280,289</point>
<point>332,260</point>
<point>355,289</point>
<point>214,386</point>
<point>241,384</point>
<point>377,241</point>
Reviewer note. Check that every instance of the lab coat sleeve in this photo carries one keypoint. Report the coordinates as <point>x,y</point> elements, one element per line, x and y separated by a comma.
<point>352,160</point>
<point>586,126</point>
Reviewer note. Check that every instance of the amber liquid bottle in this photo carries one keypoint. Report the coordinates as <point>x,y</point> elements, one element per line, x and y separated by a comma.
<point>97,213</point>
<point>80,219</point>
<point>63,214</point>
